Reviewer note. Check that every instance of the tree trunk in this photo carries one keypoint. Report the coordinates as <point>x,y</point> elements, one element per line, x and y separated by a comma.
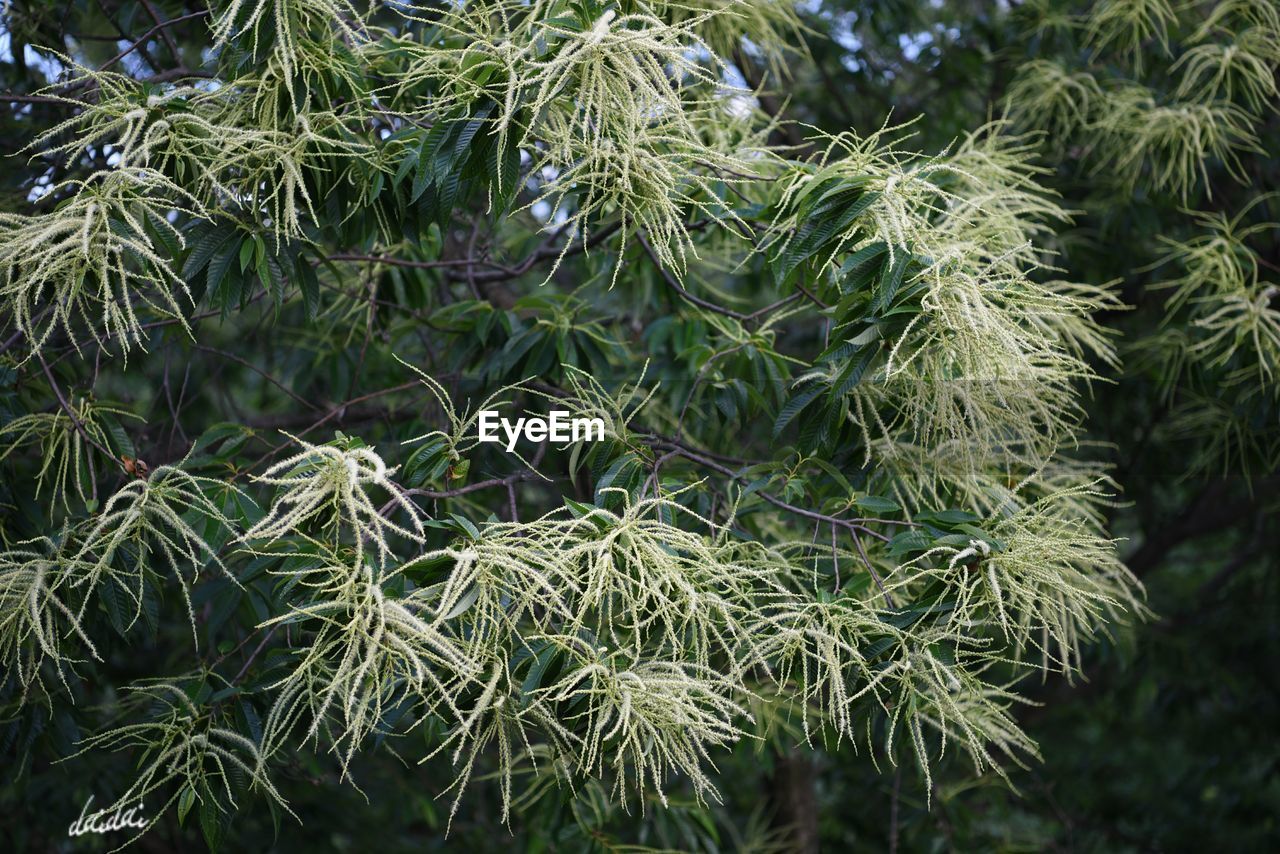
<point>795,804</point>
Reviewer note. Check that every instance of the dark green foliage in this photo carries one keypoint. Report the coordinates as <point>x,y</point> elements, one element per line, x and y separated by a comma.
<point>861,429</point>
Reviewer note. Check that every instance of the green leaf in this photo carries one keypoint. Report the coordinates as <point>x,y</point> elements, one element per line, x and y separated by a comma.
<point>246,253</point>
<point>219,265</point>
<point>185,801</point>
<point>947,518</point>
<point>877,504</point>
<point>464,603</point>
<point>890,280</point>
<point>794,407</point>
<point>210,241</point>
<point>212,823</point>
<point>309,284</point>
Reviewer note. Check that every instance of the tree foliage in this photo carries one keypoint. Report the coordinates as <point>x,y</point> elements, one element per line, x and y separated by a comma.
<point>264,265</point>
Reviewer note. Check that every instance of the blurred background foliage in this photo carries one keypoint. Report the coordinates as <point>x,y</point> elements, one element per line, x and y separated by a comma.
<point>1170,740</point>
<point>1171,743</point>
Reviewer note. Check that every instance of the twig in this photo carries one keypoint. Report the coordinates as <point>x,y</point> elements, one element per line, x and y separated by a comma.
<point>433,494</point>
<point>675,285</point>
<point>246,363</point>
<point>35,99</point>
<point>158,28</point>
<point>164,31</point>
<point>547,252</point>
<point>875,576</point>
<point>847,524</point>
<point>75,420</point>
<point>333,413</point>
<point>679,289</point>
<point>253,655</point>
<point>408,262</point>
<point>835,560</point>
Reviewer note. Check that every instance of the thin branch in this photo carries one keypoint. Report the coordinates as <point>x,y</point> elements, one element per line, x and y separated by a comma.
<point>875,576</point>
<point>334,413</point>
<point>164,30</point>
<point>34,99</point>
<point>253,655</point>
<point>260,372</point>
<point>433,494</point>
<point>408,262</point>
<point>158,28</point>
<point>848,524</point>
<point>546,253</point>
<point>71,413</point>
<point>675,285</point>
